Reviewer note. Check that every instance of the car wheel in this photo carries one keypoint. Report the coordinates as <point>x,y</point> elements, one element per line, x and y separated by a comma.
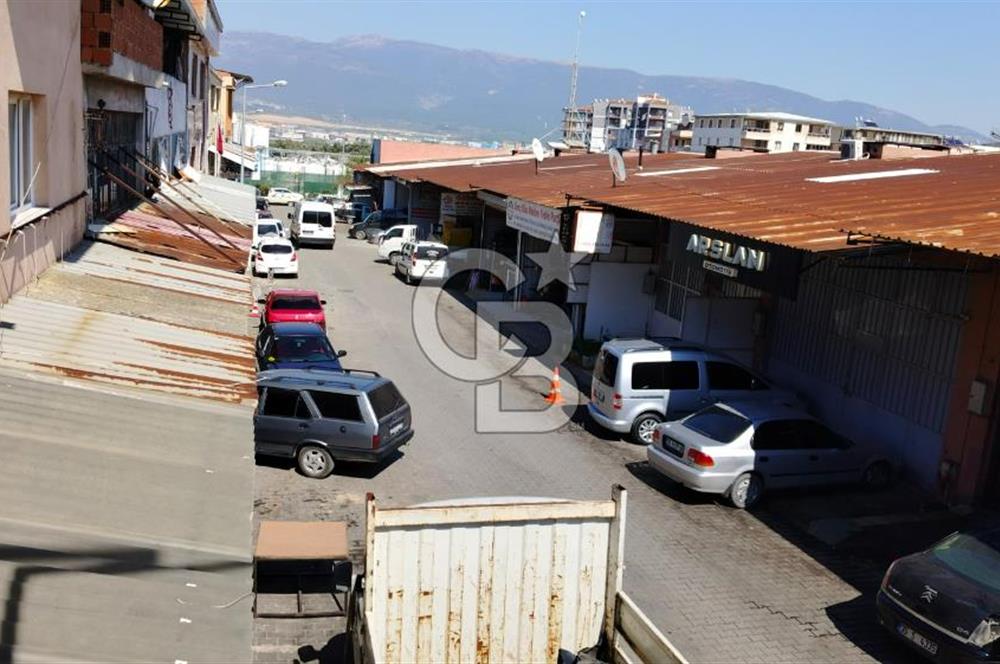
<point>315,462</point>
<point>877,475</point>
<point>361,235</point>
<point>746,491</point>
<point>642,428</point>
<point>394,257</point>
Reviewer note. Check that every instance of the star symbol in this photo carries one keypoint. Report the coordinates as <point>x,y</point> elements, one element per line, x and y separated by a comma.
<point>556,264</point>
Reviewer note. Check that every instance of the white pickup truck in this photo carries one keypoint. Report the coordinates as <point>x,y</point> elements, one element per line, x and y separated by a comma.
<point>498,579</point>
<point>391,242</point>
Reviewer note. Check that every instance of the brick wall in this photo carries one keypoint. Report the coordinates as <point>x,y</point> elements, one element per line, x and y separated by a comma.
<point>119,26</point>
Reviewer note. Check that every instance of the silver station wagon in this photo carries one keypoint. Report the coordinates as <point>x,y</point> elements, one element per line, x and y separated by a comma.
<point>739,449</point>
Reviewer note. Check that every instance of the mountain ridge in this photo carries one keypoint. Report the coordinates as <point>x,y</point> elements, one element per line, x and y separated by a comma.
<point>478,94</point>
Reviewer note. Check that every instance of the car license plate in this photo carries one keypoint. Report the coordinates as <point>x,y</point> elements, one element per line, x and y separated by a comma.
<point>918,639</point>
<point>396,428</point>
<point>672,445</point>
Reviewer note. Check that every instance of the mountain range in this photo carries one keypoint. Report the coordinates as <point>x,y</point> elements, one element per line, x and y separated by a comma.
<point>474,94</point>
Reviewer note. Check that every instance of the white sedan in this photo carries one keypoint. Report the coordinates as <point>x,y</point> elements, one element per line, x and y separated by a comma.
<point>275,255</point>
<point>281,195</point>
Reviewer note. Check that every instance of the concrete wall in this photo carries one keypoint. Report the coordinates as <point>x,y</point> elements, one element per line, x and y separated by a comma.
<point>40,52</point>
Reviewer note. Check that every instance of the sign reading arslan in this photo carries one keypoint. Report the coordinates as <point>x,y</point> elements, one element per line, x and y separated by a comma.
<point>750,261</point>
<point>727,252</point>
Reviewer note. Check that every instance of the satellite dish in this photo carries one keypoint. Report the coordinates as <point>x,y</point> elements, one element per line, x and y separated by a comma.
<point>617,164</point>
<point>537,149</point>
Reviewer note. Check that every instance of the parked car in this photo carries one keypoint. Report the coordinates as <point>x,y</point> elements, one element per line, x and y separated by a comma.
<point>296,346</point>
<point>423,260</point>
<point>739,449</point>
<point>391,242</point>
<point>275,255</point>
<point>263,209</point>
<point>263,228</point>
<point>377,222</point>
<point>312,223</point>
<point>289,305</point>
<point>945,602</point>
<point>281,195</point>
<point>318,418</point>
<point>638,383</point>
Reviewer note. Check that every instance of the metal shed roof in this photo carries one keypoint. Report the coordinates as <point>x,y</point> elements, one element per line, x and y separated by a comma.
<point>772,197</point>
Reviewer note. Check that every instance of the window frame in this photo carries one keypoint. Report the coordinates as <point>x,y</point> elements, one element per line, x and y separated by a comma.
<point>21,144</point>
<point>301,399</point>
<point>319,408</point>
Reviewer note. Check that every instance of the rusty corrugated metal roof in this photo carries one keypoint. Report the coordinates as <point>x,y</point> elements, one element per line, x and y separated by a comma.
<point>772,197</point>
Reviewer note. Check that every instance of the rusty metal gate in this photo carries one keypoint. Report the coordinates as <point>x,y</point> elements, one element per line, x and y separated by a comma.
<point>108,131</point>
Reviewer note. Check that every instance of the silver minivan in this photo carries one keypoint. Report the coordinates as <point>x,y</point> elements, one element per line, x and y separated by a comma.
<point>638,383</point>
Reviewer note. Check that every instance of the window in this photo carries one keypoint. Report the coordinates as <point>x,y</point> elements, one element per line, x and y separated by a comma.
<point>718,424</point>
<point>430,253</point>
<point>727,376</point>
<point>781,126</point>
<point>798,128</point>
<point>385,399</point>
<point>731,143</point>
<point>315,217</point>
<point>304,302</point>
<point>777,435</point>
<point>396,232</point>
<point>665,376</point>
<point>777,145</point>
<point>606,368</point>
<point>675,283</point>
<point>21,161</point>
<point>795,147</point>
<point>337,406</point>
<point>285,403</point>
<point>276,249</point>
<point>732,123</point>
<point>816,436</point>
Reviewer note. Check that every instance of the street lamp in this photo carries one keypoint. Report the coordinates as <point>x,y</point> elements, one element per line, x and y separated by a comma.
<point>243,117</point>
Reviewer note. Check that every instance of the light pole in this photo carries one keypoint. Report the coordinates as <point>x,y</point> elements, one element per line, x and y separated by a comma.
<point>243,117</point>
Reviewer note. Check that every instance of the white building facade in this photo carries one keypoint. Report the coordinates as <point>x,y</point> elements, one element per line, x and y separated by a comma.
<point>763,132</point>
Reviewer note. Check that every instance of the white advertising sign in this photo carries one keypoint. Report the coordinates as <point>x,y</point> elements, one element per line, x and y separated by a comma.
<point>535,220</point>
<point>594,231</point>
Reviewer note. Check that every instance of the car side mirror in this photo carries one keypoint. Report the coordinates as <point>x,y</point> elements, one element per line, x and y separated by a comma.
<point>341,353</point>
<point>322,301</point>
<point>261,301</point>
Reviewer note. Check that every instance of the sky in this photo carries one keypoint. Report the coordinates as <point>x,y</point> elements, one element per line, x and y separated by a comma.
<point>937,61</point>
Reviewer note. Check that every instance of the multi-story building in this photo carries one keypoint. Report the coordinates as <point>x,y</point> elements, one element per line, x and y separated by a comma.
<point>761,132</point>
<point>577,122</point>
<point>643,123</point>
<point>653,117</point>
<point>855,142</point>
<point>679,139</point>
<point>610,120</point>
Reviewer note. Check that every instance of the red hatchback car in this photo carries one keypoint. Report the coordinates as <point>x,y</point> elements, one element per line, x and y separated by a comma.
<point>289,305</point>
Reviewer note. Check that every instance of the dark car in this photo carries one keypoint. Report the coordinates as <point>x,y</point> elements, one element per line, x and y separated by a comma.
<point>296,346</point>
<point>317,417</point>
<point>263,209</point>
<point>376,222</point>
<point>945,601</point>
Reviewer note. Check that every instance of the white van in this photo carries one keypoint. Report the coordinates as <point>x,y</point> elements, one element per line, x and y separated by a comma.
<point>391,242</point>
<point>313,223</point>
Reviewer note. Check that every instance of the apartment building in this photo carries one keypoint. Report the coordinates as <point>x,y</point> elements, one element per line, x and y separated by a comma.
<point>761,132</point>
<point>609,123</point>
<point>881,142</point>
<point>653,118</point>
<point>42,168</point>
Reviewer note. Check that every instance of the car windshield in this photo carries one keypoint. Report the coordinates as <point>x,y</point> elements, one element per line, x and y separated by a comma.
<point>372,218</point>
<point>304,302</point>
<point>385,399</point>
<point>276,249</point>
<point>267,229</point>
<point>976,557</point>
<point>718,424</point>
<point>308,348</point>
<point>430,253</point>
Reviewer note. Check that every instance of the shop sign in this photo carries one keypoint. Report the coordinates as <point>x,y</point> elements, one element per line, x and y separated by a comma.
<point>535,220</point>
<point>756,263</point>
<point>460,205</point>
<point>594,232</point>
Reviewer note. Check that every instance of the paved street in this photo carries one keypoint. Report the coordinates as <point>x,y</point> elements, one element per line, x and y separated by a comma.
<point>724,585</point>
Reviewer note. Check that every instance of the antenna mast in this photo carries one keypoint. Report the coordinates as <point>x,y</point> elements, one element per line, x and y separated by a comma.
<point>576,59</point>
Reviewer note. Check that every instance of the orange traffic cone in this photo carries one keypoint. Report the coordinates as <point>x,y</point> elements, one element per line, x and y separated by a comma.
<point>555,396</point>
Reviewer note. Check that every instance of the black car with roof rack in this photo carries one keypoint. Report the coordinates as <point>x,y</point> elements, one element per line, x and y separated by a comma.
<point>319,417</point>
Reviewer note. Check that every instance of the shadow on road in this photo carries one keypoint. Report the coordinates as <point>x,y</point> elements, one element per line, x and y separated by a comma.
<point>344,468</point>
<point>646,474</point>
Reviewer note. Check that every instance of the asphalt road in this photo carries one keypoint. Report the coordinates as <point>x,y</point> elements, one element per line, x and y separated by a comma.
<point>722,584</point>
